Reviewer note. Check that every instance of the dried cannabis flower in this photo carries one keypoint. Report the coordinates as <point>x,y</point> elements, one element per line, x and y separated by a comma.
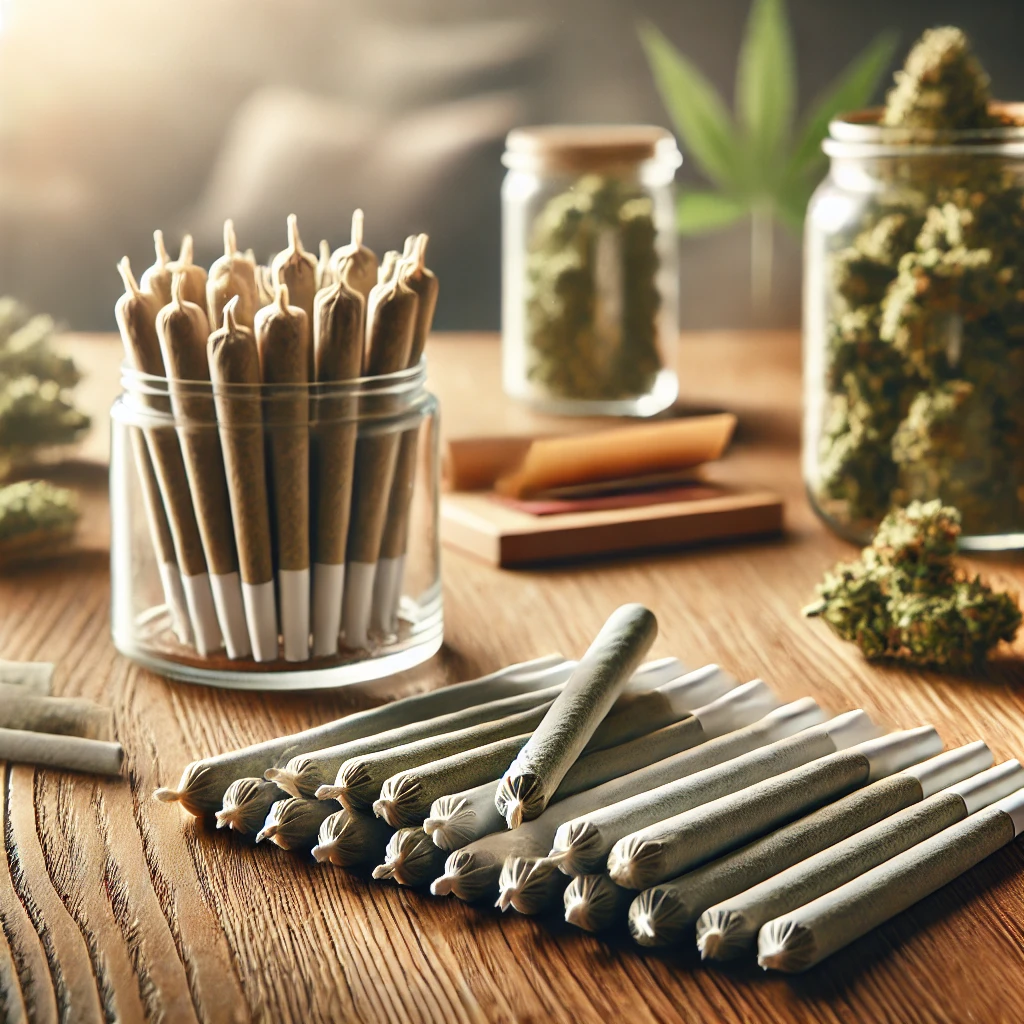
<point>592,300</point>
<point>36,407</point>
<point>925,356</point>
<point>34,515</point>
<point>907,599</point>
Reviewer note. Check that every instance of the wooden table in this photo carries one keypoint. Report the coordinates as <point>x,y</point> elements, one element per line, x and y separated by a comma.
<point>115,905</point>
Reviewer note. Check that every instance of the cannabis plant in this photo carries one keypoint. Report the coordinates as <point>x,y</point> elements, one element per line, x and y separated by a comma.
<point>763,165</point>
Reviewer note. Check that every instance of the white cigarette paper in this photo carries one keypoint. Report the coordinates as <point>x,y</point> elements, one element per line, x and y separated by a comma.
<point>32,676</point>
<point>68,752</point>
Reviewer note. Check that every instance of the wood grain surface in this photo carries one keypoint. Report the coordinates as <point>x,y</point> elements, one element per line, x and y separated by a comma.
<point>116,907</point>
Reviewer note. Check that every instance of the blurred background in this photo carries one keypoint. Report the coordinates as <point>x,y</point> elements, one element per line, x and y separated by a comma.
<point>119,116</point>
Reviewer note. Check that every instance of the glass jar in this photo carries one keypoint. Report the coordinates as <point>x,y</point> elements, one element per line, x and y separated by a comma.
<point>914,328</point>
<point>590,269</point>
<point>193,519</point>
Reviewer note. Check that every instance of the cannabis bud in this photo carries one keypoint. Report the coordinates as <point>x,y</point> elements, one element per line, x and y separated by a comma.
<point>592,299</point>
<point>925,346</point>
<point>35,517</point>
<point>907,599</point>
<point>36,404</point>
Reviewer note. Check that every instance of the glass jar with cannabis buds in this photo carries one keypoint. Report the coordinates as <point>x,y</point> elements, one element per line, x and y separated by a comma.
<point>589,263</point>
<point>914,325</point>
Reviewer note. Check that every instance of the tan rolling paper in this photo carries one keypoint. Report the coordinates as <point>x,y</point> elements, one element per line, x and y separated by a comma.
<point>360,261</point>
<point>282,337</point>
<point>297,269</point>
<point>387,586</point>
<point>193,285</point>
<point>136,318</point>
<point>231,275</point>
<point>156,278</point>
<point>338,329</point>
<point>391,323</point>
<point>235,372</point>
<point>181,327</point>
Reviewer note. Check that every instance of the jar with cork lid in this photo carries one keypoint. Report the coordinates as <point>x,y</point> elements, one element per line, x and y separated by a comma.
<point>590,269</point>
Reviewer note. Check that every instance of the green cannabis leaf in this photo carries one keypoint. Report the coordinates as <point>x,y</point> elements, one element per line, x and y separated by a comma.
<point>763,165</point>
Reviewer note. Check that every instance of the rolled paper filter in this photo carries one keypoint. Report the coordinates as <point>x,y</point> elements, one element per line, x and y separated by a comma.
<point>529,885</point>
<point>617,454</point>
<point>350,839</point>
<point>357,260</point>
<point>293,823</point>
<point>204,782</point>
<point>193,278</point>
<point>731,926</point>
<point>595,903</point>
<point>247,803</point>
<point>135,313</point>
<point>410,858</point>
<point>806,936</point>
<point>407,797</point>
<point>696,835</point>
<point>339,314</point>
<point>282,337</point>
<point>391,565</point>
<point>72,753</point>
<point>156,279</point>
<point>181,327</point>
<point>599,678</point>
<point>325,275</point>
<point>712,770</point>
<point>458,819</point>
<point>235,372</point>
<point>296,269</point>
<point>34,677</point>
<point>22,709</point>
<point>390,325</point>
<point>359,780</point>
<point>231,275</point>
<point>472,872</point>
<point>664,914</point>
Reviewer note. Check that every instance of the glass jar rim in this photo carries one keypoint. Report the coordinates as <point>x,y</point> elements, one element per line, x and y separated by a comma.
<point>860,134</point>
<point>589,147</point>
<point>402,382</point>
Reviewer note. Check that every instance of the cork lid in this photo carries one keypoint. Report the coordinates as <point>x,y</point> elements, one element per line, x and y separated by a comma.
<point>588,147</point>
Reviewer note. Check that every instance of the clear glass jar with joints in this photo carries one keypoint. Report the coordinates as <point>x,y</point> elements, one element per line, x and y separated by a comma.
<point>914,327</point>
<point>590,269</point>
<point>275,537</point>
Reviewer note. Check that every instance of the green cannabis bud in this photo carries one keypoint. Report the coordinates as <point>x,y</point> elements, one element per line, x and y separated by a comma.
<point>592,299</point>
<point>925,351</point>
<point>36,403</point>
<point>35,517</point>
<point>907,599</point>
